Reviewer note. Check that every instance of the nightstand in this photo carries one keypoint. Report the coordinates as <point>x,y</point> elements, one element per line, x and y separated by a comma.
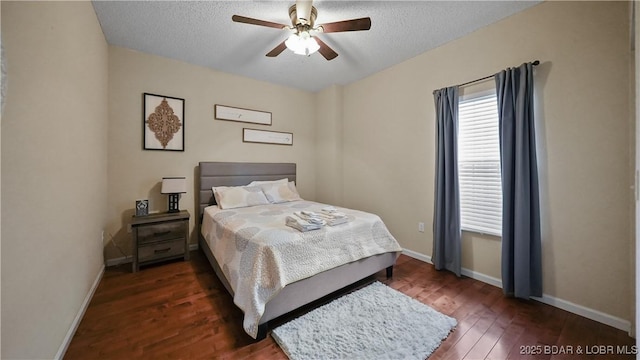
<point>160,237</point>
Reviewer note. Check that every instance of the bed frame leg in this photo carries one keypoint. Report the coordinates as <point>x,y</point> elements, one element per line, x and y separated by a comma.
<point>262,331</point>
<point>389,272</point>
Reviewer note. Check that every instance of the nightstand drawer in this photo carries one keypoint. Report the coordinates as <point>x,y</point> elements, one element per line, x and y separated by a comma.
<point>161,250</point>
<point>158,237</point>
<point>161,232</point>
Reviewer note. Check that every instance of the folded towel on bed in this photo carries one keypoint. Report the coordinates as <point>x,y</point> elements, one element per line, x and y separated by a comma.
<point>311,217</point>
<point>320,219</point>
<point>337,221</point>
<point>329,209</point>
<point>301,225</point>
<point>332,212</point>
<point>332,216</point>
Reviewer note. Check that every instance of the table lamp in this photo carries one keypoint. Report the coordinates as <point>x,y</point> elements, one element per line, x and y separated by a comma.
<point>174,186</point>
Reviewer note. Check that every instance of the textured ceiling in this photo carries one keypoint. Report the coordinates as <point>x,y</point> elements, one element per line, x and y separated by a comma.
<point>202,33</point>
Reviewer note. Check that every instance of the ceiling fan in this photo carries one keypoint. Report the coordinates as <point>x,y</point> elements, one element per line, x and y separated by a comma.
<point>303,39</point>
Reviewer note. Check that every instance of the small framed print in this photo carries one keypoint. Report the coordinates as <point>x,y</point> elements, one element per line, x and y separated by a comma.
<point>142,207</point>
<point>267,137</point>
<point>163,123</point>
<point>231,113</point>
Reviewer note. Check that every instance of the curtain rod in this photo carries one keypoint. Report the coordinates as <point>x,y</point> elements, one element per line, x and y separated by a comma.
<point>534,63</point>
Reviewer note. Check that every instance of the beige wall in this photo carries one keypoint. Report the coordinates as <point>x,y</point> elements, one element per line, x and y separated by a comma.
<point>584,125</point>
<point>328,131</point>
<point>54,171</point>
<point>136,174</point>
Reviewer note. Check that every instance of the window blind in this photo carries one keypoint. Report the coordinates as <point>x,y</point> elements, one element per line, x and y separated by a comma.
<point>479,165</point>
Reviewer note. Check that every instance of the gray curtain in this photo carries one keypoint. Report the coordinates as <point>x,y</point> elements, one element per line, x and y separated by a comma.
<point>446,214</point>
<point>521,243</point>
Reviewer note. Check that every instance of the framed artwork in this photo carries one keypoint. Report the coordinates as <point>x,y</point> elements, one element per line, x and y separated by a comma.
<point>267,137</point>
<point>142,207</point>
<point>163,123</point>
<point>222,112</point>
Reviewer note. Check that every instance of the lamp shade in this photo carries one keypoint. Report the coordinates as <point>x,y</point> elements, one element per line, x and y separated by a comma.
<point>174,185</point>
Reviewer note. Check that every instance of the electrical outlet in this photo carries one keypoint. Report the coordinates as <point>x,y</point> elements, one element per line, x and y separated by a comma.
<point>129,228</point>
<point>421,227</point>
<point>102,237</point>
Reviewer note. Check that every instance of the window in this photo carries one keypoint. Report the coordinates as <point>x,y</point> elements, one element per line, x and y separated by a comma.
<point>479,165</point>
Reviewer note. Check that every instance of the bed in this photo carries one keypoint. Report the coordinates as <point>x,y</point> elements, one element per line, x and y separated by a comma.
<point>266,302</point>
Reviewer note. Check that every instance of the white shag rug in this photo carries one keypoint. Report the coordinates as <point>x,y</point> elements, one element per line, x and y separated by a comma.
<point>375,322</point>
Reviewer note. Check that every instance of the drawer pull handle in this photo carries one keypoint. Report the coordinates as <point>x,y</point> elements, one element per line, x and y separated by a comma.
<point>161,233</point>
<point>161,251</point>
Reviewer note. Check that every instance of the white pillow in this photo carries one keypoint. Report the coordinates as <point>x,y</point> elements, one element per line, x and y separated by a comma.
<point>269,182</point>
<point>231,197</point>
<point>281,192</point>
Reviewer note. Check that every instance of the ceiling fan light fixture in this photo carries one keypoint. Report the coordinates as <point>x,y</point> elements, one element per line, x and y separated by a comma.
<point>302,44</point>
<point>303,17</point>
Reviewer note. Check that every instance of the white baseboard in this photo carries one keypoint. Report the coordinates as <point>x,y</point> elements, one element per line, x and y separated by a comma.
<point>466,272</point>
<point>129,259</point>
<point>589,313</point>
<point>482,277</point>
<point>119,261</point>
<point>76,321</point>
<point>417,255</point>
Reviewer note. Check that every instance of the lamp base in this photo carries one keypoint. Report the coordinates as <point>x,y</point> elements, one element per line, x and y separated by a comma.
<point>173,203</point>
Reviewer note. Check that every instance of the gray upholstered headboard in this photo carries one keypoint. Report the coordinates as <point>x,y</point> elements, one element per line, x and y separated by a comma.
<point>236,174</point>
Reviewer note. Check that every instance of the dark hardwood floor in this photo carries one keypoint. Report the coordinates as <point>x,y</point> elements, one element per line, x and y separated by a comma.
<point>181,310</point>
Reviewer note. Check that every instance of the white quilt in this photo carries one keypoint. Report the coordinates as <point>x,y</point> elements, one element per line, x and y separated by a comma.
<point>259,254</point>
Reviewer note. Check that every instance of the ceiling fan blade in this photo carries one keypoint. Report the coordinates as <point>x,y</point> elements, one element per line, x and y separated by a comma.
<point>303,11</point>
<point>277,50</point>
<point>252,21</point>
<point>347,25</point>
<point>325,50</point>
